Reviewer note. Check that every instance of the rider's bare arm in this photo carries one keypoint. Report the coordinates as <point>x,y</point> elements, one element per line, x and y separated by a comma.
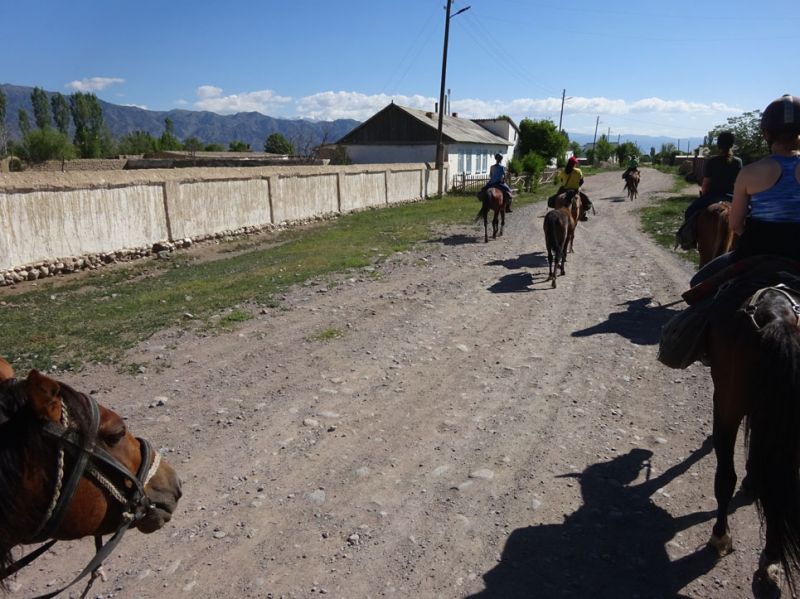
<point>753,178</point>
<point>705,186</point>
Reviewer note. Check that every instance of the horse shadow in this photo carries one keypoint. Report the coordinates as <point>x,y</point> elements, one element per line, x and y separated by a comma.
<point>613,546</point>
<point>532,260</point>
<point>640,322</point>
<point>456,240</point>
<point>518,282</point>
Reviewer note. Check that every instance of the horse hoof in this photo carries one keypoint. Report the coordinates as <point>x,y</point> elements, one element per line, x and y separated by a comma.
<point>767,581</point>
<point>723,544</point>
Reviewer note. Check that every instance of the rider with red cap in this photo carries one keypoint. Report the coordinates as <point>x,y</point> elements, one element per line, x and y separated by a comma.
<point>571,179</point>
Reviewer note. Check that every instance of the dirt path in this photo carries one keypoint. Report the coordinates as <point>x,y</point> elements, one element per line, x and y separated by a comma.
<point>471,432</point>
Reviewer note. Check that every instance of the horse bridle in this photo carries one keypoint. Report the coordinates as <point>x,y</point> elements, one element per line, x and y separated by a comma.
<point>752,305</point>
<point>89,460</point>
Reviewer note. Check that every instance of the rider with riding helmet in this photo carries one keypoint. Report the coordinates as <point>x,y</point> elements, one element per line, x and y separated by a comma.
<point>719,174</point>
<point>633,166</point>
<point>497,176</point>
<point>766,196</point>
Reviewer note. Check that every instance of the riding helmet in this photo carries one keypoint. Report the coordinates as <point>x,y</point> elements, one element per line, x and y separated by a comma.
<point>782,116</point>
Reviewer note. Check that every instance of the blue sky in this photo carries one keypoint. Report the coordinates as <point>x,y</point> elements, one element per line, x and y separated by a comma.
<point>675,69</point>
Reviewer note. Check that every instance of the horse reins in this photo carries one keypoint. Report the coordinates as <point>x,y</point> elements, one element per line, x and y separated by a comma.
<point>89,459</point>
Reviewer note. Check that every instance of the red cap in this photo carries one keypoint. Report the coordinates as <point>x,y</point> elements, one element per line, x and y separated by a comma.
<point>572,160</point>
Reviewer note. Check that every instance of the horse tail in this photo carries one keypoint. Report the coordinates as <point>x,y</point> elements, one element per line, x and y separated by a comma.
<point>773,433</point>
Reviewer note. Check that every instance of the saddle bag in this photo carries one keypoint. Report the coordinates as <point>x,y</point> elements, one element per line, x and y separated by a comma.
<point>683,338</point>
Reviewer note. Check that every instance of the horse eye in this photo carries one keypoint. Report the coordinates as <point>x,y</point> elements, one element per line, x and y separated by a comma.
<point>114,437</point>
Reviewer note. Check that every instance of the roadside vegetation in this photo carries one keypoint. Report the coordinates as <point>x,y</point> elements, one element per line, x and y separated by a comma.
<point>66,323</point>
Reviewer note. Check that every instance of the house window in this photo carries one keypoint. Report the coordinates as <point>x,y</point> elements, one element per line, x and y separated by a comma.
<point>460,162</point>
<point>484,162</point>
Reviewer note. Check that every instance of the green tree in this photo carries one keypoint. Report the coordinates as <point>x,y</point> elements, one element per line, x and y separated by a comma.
<point>603,149</point>
<point>40,145</point>
<point>543,138</point>
<point>138,142</point>
<point>278,144</point>
<point>87,116</point>
<point>340,156</point>
<point>750,144</point>
<point>238,146</point>
<point>168,141</point>
<point>192,144</point>
<point>215,147</point>
<point>41,108</point>
<point>626,149</point>
<point>60,108</point>
<point>24,121</point>
<point>576,148</point>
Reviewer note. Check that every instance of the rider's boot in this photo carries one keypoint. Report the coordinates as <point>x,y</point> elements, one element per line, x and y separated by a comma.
<point>508,205</point>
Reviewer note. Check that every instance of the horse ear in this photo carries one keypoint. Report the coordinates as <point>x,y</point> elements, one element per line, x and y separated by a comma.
<point>42,394</point>
<point>6,371</point>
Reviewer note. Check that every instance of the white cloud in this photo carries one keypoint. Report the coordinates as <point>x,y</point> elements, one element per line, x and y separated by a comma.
<point>264,101</point>
<point>93,84</point>
<point>142,106</point>
<point>326,106</point>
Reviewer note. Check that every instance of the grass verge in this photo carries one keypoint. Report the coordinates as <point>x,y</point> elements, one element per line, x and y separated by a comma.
<point>96,318</point>
<point>662,220</point>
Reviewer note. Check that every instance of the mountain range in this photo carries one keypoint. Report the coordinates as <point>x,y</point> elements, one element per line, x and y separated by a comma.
<point>250,127</point>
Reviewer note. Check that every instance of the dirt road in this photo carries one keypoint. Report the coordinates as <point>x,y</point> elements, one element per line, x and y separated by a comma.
<point>443,425</point>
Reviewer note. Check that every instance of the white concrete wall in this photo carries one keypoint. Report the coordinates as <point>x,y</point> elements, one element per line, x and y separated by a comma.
<point>205,207</point>
<point>300,197</point>
<point>45,216</point>
<point>403,186</point>
<point>46,224</point>
<point>362,190</point>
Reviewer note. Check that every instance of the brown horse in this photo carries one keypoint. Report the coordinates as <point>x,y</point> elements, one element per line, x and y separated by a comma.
<point>492,199</point>
<point>713,232</point>
<point>559,229</point>
<point>70,468</point>
<point>754,354</point>
<point>632,185</point>
<point>572,201</point>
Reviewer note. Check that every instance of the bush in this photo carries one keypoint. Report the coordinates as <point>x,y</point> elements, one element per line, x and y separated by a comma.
<point>41,145</point>
<point>534,164</point>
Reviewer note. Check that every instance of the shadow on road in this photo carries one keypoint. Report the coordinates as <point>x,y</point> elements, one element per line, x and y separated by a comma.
<point>613,546</point>
<point>532,260</point>
<point>640,322</point>
<point>519,282</point>
<point>457,240</point>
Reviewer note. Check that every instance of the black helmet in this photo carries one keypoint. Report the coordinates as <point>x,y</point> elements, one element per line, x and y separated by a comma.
<point>726,139</point>
<point>498,156</point>
<point>782,116</point>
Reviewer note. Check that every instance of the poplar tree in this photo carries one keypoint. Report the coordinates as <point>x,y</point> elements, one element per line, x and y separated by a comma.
<point>60,108</point>
<point>41,108</point>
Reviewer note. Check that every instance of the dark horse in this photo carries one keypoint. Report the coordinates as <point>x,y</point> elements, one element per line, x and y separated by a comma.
<point>755,365</point>
<point>492,199</point>
<point>632,185</point>
<point>713,231</point>
<point>577,203</point>
<point>69,468</point>
<point>559,229</point>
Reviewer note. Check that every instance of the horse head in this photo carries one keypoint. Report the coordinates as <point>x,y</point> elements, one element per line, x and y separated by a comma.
<point>70,468</point>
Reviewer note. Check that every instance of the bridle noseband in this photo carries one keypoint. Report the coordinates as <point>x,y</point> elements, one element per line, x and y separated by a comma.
<point>90,460</point>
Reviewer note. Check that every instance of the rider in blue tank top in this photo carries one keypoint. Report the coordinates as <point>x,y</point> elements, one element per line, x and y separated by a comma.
<point>765,210</point>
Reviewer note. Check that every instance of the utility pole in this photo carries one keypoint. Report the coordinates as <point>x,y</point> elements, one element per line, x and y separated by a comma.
<point>561,116</point>
<point>439,146</point>
<point>594,142</point>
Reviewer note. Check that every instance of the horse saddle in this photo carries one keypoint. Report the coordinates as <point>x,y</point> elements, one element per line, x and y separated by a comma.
<point>735,289</point>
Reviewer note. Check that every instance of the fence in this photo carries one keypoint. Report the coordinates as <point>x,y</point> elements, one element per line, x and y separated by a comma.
<point>464,183</point>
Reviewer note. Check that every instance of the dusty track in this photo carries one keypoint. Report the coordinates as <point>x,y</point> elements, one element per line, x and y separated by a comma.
<point>473,432</point>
